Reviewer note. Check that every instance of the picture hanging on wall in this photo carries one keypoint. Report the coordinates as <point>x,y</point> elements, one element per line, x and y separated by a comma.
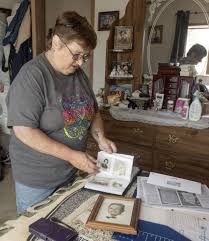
<point>157,35</point>
<point>123,38</point>
<point>106,19</point>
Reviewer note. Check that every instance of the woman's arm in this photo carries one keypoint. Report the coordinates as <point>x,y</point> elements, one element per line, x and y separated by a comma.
<point>97,131</point>
<point>40,142</point>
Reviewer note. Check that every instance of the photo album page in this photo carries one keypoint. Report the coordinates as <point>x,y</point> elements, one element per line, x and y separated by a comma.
<point>115,173</point>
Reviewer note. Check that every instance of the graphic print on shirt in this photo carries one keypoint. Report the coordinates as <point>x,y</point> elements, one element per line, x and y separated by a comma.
<point>77,114</point>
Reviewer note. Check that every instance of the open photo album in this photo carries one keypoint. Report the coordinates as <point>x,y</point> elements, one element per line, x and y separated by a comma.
<point>115,174</point>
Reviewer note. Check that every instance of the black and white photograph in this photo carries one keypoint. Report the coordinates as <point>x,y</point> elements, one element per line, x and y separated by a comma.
<point>189,199</point>
<point>157,34</point>
<point>115,213</point>
<point>100,181</point>
<point>123,38</point>
<point>120,167</point>
<point>169,196</point>
<point>106,19</point>
<point>104,162</point>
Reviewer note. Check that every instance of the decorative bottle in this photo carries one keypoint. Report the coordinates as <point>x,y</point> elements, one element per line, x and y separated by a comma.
<point>195,110</point>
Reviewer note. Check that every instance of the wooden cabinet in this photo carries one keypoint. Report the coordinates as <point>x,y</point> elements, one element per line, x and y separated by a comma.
<point>173,87</point>
<point>177,151</point>
<point>135,17</point>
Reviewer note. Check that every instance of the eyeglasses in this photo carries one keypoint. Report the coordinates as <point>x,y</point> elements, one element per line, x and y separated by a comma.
<point>76,57</point>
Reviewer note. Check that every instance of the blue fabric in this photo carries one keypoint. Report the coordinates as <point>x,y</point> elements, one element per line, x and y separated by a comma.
<point>28,196</point>
<point>148,231</point>
<point>13,28</point>
<point>17,60</point>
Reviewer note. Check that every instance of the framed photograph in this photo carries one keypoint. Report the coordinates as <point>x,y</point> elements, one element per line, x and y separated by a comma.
<point>106,19</point>
<point>115,213</point>
<point>121,70</point>
<point>123,38</point>
<point>157,35</point>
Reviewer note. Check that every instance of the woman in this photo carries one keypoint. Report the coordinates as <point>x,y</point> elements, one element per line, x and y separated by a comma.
<point>51,107</point>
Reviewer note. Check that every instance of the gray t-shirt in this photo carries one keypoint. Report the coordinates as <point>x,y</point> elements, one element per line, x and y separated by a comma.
<point>59,105</point>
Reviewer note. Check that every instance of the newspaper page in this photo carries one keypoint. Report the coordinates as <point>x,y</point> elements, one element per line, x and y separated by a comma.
<point>191,226</point>
<point>155,195</point>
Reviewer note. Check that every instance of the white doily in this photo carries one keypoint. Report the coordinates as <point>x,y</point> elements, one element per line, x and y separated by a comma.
<point>161,118</point>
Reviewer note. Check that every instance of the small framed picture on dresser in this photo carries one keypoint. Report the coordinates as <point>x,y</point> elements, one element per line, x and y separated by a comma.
<point>122,69</point>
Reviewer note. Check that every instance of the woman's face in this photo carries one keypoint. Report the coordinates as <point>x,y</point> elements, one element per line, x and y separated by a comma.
<point>69,56</point>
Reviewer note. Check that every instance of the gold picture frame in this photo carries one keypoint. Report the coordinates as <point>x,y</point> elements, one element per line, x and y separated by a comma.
<point>123,37</point>
<point>115,213</point>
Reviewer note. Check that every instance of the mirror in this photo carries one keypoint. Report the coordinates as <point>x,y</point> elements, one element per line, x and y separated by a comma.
<point>160,28</point>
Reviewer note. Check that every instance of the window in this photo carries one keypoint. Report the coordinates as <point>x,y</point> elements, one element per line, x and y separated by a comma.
<point>199,34</point>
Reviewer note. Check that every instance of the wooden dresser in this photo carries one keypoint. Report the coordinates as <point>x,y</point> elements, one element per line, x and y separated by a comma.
<point>176,151</point>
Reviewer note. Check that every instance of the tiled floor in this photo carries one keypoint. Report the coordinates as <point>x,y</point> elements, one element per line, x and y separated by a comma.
<point>7,196</point>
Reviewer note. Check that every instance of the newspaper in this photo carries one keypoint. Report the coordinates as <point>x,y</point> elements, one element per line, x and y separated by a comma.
<point>160,196</point>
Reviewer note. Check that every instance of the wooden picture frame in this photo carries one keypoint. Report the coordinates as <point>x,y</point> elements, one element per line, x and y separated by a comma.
<point>115,213</point>
<point>123,38</point>
<point>157,35</point>
<point>106,19</point>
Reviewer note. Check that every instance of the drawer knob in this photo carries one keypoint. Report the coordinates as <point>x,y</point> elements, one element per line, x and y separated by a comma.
<point>138,131</point>
<point>169,165</point>
<point>172,139</point>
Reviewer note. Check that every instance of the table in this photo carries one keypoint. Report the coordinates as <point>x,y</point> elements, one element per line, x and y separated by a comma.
<point>71,204</point>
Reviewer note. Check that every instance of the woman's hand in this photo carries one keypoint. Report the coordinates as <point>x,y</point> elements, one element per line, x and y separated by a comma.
<point>106,145</point>
<point>83,161</point>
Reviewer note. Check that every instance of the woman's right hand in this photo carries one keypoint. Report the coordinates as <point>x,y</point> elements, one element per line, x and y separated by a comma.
<point>85,162</point>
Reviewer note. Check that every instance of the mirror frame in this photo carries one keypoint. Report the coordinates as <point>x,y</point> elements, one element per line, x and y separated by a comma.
<point>154,5</point>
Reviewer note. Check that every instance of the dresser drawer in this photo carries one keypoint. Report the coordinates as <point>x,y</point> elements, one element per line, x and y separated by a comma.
<point>172,79</point>
<point>170,91</point>
<point>171,85</point>
<point>130,132</point>
<point>142,155</point>
<point>92,147</point>
<point>194,167</point>
<point>184,140</point>
<point>105,114</point>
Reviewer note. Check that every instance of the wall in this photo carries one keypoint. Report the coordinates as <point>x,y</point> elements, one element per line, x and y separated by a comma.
<point>100,51</point>
<point>161,52</point>
<point>7,3</point>
<point>54,8</point>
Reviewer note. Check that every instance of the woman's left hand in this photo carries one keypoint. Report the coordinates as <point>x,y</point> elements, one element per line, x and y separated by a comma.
<point>106,145</point>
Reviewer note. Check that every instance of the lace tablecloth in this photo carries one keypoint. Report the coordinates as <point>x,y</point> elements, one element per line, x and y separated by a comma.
<point>71,204</point>
<point>162,118</point>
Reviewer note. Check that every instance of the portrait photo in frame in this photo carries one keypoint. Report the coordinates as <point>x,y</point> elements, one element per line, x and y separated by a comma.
<point>115,213</point>
<point>157,35</point>
<point>106,19</point>
<point>123,37</point>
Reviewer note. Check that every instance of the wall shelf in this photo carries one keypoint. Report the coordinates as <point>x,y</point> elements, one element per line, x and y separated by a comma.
<point>134,16</point>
